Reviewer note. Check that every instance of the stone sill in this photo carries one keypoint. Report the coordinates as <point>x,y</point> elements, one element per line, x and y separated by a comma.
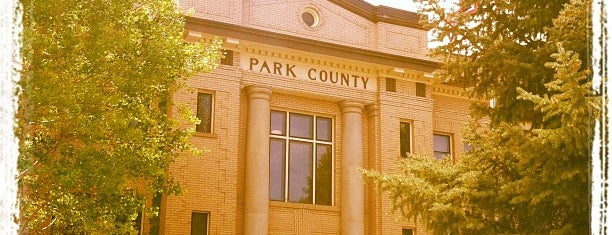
<point>206,135</point>
<point>304,206</point>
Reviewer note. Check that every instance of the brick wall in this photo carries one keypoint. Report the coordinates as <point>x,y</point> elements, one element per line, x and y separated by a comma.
<point>450,115</point>
<point>293,218</point>
<point>337,25</point>
<point>210,180</point>
<point>214,182</point>
<point>395,107</point>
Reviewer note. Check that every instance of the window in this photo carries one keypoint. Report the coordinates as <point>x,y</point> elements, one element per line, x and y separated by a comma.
<point>154,223</point>
<point>420,89</point>
<point>390,84</point>
<point>204,112</point>
<point>138,223</point>
<point>301,165</point>
<point>407,231</point>
<point>442,145</point>
<point>228,57</point>
<point>467,147</point>
<point>199,223</point>
<point>310,17</point>
<point>405,139</point>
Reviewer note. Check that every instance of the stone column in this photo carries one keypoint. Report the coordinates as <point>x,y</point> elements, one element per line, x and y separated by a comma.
<point>257,172</point>
<point>373,207</point>
<point>352,211</point>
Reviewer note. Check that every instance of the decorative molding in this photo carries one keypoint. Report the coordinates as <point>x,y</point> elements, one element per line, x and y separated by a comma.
<point>308,45</point>
<point>310,60</point>
<point>407,75</point>
<point>452,91</point>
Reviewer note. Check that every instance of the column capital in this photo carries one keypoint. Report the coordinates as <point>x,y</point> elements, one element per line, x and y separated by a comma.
<point>372,109</point>
<point>350,106</point>
<point>258,92</point>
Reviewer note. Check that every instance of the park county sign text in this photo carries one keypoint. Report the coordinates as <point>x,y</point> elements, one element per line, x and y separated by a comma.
<point>305,72</point>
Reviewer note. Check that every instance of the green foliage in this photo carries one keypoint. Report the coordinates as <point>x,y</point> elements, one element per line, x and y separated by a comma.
<point>516,180</point>
<point>422,187</point>
<point>554,165</point>
<point>97,137</point>
<point>502,46</point>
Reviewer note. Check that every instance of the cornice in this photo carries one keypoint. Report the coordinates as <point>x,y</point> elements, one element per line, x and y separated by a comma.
<point>451,91</point>
<point>308,45</point>
<point>380,13</point>
<point>413,76</point>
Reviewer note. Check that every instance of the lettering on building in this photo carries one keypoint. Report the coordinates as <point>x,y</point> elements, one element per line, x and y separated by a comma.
<point>305,72</point>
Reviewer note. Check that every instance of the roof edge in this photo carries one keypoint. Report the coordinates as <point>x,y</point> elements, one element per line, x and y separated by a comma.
<point>381,13</point>
<point>309,45</point>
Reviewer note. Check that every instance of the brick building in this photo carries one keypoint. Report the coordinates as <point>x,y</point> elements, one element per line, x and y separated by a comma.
<point>309,92</point>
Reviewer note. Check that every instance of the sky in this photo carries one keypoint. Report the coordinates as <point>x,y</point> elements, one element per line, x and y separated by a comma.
<point>399,4</point>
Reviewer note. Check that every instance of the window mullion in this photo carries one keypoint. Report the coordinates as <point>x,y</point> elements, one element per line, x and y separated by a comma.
<point>301,139</point>
<point>286,186</point>
<point>333,157</point>
<point>410,137</point>
<point>314,159</point>
<point>314,142</point>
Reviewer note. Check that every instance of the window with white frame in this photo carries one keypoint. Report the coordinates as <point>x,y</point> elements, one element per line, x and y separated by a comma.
<point>442,145</point>
<point>301,161</point>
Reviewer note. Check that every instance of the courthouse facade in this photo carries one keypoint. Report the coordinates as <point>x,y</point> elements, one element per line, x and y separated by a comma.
<point>310,91</point>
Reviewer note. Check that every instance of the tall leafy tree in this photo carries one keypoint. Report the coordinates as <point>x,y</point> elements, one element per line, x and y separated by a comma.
<point>96,134</point>
<point>517,179</point>
<point>493,47</point>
